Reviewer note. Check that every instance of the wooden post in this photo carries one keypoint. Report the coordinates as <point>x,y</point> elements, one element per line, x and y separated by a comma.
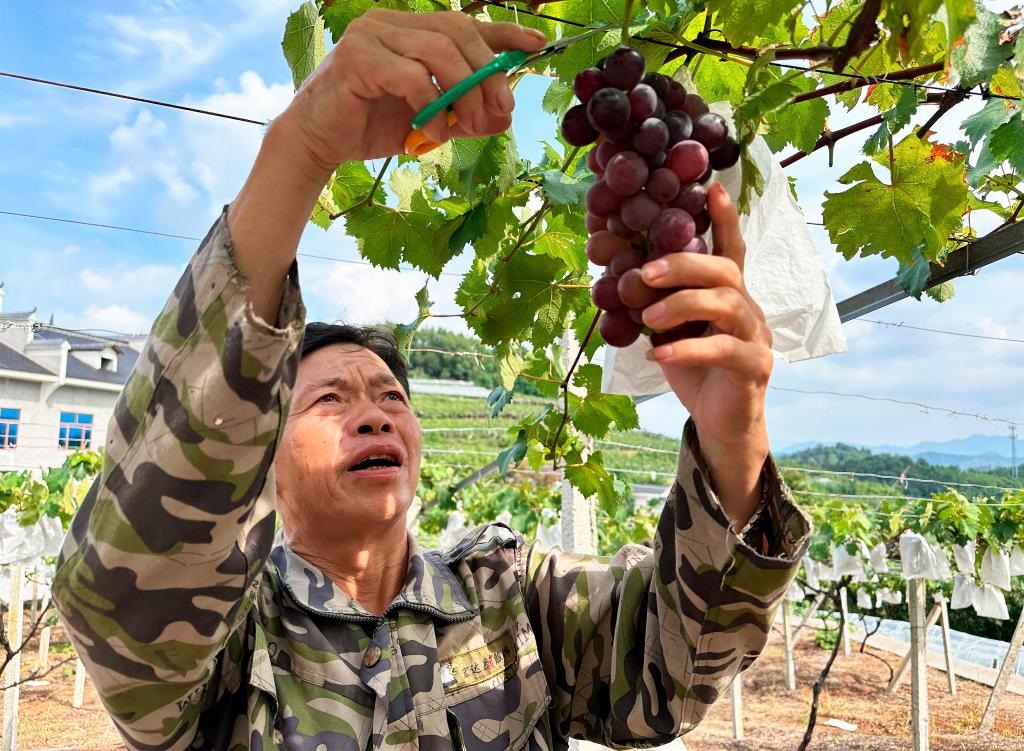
<point>918,664</point>
<point>79,698</point>
<point>33,607</point>
<point>932,619</point>
<point>44,649</point>
<point>815,604</point>
<point>737,707</point>
<point>846,621</point>
<point>988,720</point>
<point>947,646</point>
<point>579,514</point>
<point>12,674</point>
<point>787,636</point>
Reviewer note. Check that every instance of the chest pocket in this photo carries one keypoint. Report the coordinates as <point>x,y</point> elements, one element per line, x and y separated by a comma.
<point>495,694</point>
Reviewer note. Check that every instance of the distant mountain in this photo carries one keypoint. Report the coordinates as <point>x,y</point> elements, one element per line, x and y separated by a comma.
<point>972,452</point>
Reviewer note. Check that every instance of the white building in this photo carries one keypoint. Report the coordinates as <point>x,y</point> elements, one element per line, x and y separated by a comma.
<point>57,389</point>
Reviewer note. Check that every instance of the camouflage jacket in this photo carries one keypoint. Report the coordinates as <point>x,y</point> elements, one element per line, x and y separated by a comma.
<point>200,631</point>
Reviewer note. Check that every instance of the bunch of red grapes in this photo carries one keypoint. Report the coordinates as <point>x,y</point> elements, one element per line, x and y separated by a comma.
<point>658,147</point>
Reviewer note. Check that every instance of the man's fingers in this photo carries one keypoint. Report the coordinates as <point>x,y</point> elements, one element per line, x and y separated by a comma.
<point>750,361</point>
<point>510,36</point>
<point>692,270</point>
<point>725,307</point>
<point>725,225</point>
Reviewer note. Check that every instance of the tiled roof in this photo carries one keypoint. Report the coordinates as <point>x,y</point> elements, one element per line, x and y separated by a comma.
<point>125,362</point>
<point>20,315</point>
<point>77,340</point>
<point>11,359</point>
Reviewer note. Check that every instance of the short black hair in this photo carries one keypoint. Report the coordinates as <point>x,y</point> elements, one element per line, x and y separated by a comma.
<point>378,339</point>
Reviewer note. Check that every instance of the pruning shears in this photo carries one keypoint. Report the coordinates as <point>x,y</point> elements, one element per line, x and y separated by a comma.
<point>508,62</point>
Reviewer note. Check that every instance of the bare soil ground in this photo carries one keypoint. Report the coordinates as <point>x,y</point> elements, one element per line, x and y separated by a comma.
<point>774,719</point>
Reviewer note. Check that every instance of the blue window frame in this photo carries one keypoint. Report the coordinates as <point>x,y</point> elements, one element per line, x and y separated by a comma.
<point>9,419</point>
<point>75,430</point>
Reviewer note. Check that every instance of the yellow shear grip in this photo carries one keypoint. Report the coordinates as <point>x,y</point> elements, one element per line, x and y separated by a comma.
<point>417,143</point>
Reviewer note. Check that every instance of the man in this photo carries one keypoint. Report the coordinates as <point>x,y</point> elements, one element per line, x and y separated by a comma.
<point>201,631</point>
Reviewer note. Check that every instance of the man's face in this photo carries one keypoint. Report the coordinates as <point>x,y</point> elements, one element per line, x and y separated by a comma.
<point>350,451</point>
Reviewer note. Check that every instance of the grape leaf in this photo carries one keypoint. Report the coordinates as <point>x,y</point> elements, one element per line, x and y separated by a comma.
<point>464,165</point>
<point>586,53</point>
<point>800,124</point>
<point>303,43</point>
<point>558,98</point>
<point>513,454</point>
<point>918,209</point>
<point>404,182</point>
<point>984,167</point>
<point>595,414</point>
<point>560,188</point>
<point>419,236</point>
<point>559,242</point>
<point>581,325</point>
<point>498,399</point>
<point>325,208</point>
<point>472,228</point>
<point>741,23</point>
<point>350,183</point>
<point>893,121</point>
<point>959,15</point>
<point>1007,143</point>
<point>1005,82</point>
<point>941,292</point>
<point>987,119</point>
<point>592,480</point>
<point>913,276</point>
<point>981,54</point>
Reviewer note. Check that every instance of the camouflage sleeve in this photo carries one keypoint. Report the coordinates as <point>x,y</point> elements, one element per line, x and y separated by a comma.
<point>163,556</point>
<point>638,647</point>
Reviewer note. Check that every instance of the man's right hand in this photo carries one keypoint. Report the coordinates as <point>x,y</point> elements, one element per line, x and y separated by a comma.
<point>358,103</point>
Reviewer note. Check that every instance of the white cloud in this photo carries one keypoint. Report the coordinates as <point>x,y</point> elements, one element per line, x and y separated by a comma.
<point>117,318</point>
<point>364,294</point>
<point>106,186</point>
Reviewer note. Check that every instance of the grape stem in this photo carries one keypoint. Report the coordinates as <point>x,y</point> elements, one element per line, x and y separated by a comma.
<point>627,20</point>
<point>828,139</point>
<point>565,388</point>
<point>366,200</point>
<point>856,83</point>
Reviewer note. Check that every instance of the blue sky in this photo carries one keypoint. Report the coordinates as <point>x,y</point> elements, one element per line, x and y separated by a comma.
<point>96,159</point>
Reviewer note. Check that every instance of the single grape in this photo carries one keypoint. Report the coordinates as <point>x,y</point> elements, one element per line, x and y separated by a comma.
<point>622,135</point>
<point>607,109</point>
<point>595,223</point>
<point>624,68</point>
<point>693,106</point>
<point>636,314</point>
<point>601,200</point>
<point>655,161</point>
<point>692,198</point>
<point>639,211</point>
<point>605,292</point>
<point>596,168</point>
<point>642,102</point>
<point>679,127</point>
<point>706,174</point>
<point>688,330</point>
<point>688,159</point>
<point>651,137</point>
<point>676,95</point>
<point>672,230</point>
<point>659,110</point>
<point>618,329</point>
<point>630,258</point>
<point>658,82</point>
<point>710,129</point>
<point>605,151</point>
<point>617,226</point>
<point>634,292</point>
<point>626,173</point>
<point>602,247</point>
<point>587,82</point>
<point>662,185</point>
<point>702,222</point>
<point>725,155</point>
<point>576,128</point>
<point>696,245</point>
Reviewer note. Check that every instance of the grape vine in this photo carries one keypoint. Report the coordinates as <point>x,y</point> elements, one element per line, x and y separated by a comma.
<point>784,69</point>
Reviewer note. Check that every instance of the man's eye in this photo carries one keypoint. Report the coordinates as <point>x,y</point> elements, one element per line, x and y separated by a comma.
<point>396,396</point>
<point>328,397</point>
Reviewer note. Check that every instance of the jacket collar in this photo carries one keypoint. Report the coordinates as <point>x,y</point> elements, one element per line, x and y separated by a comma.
<point>430,587</point>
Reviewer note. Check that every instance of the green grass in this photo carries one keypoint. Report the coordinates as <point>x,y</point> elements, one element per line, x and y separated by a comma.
<point>468,450</point>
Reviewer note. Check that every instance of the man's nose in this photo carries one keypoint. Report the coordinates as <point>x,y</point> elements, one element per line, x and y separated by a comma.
<point>372,419</point>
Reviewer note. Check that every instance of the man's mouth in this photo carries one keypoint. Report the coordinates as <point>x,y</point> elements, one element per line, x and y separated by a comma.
<point>377,461</point>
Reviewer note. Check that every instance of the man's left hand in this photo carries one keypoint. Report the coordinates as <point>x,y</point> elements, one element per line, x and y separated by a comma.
<point>722,377</point>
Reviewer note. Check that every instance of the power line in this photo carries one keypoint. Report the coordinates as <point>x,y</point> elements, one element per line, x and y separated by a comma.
<point>920,405</point>
<point>129,97</point>
<point>136,230</point>
<point>901,325</point>
<point>869,497</point>
<point>788,66</point>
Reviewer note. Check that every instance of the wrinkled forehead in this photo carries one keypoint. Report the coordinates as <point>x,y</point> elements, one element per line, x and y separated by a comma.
<point>349,363</point>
